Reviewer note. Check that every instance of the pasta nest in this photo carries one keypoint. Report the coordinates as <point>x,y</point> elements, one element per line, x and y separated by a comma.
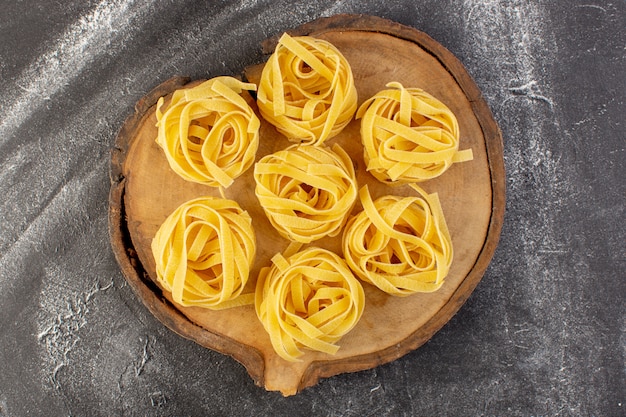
<point>306,192</point>
<point>307,90</point>
<point>399,244</point>
<point>408,135</point>
<point>204,251</point>
<point>209,133</point>
<point>308,300</point>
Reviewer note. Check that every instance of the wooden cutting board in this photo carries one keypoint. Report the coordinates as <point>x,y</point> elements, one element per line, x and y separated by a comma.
<point>144,191</point>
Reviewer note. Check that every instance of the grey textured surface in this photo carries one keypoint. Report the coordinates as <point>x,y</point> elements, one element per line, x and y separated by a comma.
<point>544,332</point>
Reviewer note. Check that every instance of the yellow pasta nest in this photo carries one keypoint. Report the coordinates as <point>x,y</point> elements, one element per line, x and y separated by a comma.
<point>204,251</point>
<point>399,244</point>
<point>308,300</point>
<point>209,133</point>
<point>307,90</point>
<point>408,135</point>
<point>306,191</point>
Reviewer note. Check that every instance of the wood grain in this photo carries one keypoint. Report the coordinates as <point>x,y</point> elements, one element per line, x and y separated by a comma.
<point>144,191</point>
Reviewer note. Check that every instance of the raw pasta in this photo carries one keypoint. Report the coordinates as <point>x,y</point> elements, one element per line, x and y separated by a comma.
<point>308,300</point>
<point>209,133</point>
<point>204,251</point>
<point>307,90</point>
<point>306,191</point>
<point>399,244</point>
<point>408,135</point>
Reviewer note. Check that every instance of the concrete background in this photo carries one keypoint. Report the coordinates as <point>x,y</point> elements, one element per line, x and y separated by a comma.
<point>542,335</point>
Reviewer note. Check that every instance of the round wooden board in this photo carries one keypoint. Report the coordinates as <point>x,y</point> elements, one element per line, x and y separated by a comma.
<point>145,191</point>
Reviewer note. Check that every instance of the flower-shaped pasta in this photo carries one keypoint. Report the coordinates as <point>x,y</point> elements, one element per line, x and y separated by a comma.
<point>399,244</point>
<point>306,191</point>
<point>204,251</point>
<point>408,135</point>
<point>309,300</point>
<point>209,133</point>
<point>307,90</point>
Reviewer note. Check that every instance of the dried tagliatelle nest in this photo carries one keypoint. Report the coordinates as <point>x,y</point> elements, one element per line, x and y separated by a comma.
<point>408,135</point>
<point>204,251</point>
<point>307,90</point>
<point>307,192</point>
<point>209,133</point>
<point>399,244</point>
<point>308,300</point>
